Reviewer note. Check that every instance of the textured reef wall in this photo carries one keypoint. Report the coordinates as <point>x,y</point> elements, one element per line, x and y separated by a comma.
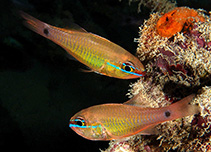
<point>156,5</point>
<point>178,64</point>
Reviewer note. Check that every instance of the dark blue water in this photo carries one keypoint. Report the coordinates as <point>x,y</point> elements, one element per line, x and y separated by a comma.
<point>40,88</point>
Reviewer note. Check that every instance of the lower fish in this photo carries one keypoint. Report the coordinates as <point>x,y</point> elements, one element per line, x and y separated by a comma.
<point>119,121</point>
<point>99,54</point>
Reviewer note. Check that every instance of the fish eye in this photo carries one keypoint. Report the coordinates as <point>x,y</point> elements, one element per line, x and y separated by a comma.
<point>128,66</point>
<point>79,122</point>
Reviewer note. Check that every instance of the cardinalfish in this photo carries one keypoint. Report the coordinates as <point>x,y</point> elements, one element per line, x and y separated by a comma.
<point>97,53</point>
<point>118,121</point>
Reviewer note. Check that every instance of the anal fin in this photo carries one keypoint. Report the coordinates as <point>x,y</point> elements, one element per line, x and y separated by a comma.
<point>152,130</point>
<point>86,70</point>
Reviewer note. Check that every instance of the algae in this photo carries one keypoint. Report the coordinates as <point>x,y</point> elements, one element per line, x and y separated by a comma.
<point>176,67</point>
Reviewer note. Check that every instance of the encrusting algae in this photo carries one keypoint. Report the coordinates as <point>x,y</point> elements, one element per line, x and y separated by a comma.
<point>182,58</point>
<point>180,18</point>
<point>156,5</point>
<point>177,66</point>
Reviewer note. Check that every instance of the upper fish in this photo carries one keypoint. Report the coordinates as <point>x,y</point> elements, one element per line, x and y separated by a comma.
<point>99,54</point>
<point>119,121</point>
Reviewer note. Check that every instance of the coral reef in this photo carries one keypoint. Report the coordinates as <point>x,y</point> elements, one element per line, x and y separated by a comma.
<point>176,67</point>
<point>156,5</point>
<point>183,58</point>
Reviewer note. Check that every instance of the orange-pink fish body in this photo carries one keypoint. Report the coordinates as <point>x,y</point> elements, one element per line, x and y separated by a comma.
<point>99,54</point>
<point>117,121</point>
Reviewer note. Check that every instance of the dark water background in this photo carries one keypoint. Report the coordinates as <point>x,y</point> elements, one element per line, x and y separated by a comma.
<point>40,88</point>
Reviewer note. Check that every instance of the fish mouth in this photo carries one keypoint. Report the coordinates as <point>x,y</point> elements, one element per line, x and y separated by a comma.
<point>142,73</point>
<point>75,128</point>
<point>72,124</point>
<point>137,74</point>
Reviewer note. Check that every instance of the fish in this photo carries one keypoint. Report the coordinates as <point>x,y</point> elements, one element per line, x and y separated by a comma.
<point>113,121</point>
<point>99,54</point>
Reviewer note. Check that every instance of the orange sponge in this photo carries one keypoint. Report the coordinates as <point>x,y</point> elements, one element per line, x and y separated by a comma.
<point>181,18</point>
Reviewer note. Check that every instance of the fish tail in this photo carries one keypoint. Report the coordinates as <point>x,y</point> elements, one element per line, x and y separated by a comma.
<point>55,34</point>
<point>182,108</point>
<point>35,24</point>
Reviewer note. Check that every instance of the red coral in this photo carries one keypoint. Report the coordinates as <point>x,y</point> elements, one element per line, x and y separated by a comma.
<point>181,18</point>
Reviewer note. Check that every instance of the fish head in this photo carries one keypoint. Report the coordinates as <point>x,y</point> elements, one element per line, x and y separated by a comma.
<point>127,68</point>
<point>87,128</point>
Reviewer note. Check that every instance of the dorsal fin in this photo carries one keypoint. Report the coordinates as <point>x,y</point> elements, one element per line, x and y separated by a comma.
<point>75,27</point>
<point>132,101</point>
<point>137,100</point>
